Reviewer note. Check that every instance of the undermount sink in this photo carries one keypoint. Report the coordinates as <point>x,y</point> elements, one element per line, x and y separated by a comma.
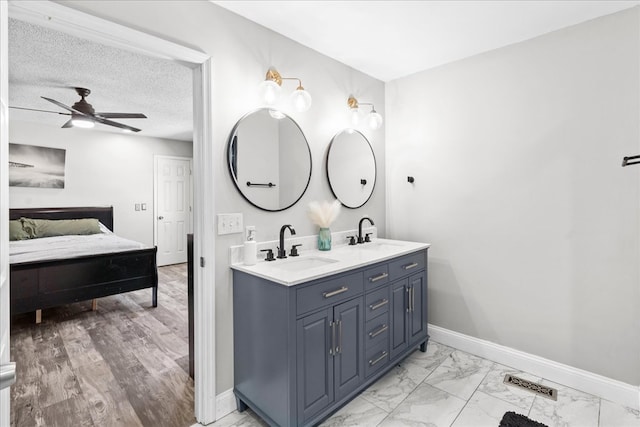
<point>378,246</point>
<point>303,263</point>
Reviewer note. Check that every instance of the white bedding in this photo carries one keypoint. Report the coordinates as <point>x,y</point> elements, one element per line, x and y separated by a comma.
<point>48,248</point>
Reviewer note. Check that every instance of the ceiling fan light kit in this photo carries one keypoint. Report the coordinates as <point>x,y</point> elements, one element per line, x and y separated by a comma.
<point>83,115</point>
<point>81,122</point>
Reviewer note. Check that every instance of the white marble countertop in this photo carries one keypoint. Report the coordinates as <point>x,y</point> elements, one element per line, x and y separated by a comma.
<point>315,264</point>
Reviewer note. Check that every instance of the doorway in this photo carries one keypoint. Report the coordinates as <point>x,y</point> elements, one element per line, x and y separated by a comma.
<point>84,25</point>
<point>172,190</point>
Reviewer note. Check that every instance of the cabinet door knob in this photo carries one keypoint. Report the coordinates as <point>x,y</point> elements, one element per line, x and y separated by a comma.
<point>160,217</point>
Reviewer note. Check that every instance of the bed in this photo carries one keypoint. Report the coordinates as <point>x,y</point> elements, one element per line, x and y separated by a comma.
<point>40,284</point>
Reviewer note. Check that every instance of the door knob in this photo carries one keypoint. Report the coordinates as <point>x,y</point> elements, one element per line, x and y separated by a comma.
<point>7,375</point>
<point>160,217</point>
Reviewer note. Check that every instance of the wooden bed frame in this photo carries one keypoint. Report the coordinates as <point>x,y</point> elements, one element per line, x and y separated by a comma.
<point>36,285</point>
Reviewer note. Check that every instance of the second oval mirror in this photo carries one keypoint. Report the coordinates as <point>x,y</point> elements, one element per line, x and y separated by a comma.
<point>351,168</point>
<point>269,159</point>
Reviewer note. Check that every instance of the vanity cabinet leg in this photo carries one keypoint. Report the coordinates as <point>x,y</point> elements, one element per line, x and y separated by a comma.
<point>240,405</point>
<point>423,347</point>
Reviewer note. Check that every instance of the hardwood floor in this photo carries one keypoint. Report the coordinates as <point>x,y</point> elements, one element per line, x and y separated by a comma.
<point>125,364</point>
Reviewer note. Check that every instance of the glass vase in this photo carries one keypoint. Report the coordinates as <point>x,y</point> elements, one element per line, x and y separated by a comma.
<point>324,239</point>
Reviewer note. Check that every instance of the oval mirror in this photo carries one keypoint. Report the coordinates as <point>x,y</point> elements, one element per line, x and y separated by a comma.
<point>269,159</point>
<point>351,168</point>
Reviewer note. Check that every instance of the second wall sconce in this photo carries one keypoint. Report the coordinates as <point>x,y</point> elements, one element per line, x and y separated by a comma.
<point>373,119</point>
<point>270,90</point>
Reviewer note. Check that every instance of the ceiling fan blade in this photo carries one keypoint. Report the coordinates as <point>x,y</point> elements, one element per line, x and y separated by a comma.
<point>68,124</point>
<point>121,115</point>
<point>42,111</point>
<point>61,105</point>
<point>115,124</point>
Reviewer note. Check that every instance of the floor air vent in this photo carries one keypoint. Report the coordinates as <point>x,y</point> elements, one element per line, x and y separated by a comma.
<point>544,391</point>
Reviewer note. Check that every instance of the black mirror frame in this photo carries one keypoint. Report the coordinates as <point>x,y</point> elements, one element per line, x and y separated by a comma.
<point>232,160</point>
<point>375,169</point>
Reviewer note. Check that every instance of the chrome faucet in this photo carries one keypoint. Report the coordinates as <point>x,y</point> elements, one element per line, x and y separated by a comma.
<point>360,238</point>
<point>282,252</point>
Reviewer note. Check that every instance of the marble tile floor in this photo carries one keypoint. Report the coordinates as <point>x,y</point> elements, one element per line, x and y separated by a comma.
<point>445,387</point>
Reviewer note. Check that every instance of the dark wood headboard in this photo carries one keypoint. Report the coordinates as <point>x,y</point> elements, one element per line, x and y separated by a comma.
<point>103,214</point>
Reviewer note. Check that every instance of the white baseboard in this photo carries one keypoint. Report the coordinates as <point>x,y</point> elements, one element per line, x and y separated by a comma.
<point>225,403</point>
<point>598,385</point>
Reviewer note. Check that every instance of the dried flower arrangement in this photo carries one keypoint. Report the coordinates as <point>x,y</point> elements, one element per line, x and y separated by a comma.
<point>324,213</point>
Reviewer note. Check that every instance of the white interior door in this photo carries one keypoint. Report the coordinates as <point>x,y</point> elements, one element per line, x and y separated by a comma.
<point>6,371</point>
<point>172,208</point>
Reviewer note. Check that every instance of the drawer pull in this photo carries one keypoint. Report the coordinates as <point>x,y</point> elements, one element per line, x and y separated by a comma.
<point>378,305</point>
<point>336,292</point>
<point>378,277</point>
<point>382,357</point>
<point>378,332</point>
<point>410,266</point>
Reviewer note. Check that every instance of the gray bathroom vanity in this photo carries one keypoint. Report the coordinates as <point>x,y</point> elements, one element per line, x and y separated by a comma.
<point>313,331</point>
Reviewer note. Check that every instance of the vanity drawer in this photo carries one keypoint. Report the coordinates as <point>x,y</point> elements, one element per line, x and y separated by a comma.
<point>407,265</point>
<point>376,331</point>
<point>376,303</point>
<point>328,292</point>
<point>376,276</point>
<point>376,359</point>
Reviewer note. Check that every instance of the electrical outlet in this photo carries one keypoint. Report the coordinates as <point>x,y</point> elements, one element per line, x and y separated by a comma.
<point>229,223</point>
<point>144,206</point>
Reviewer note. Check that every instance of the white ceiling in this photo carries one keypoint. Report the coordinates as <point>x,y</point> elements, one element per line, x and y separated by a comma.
<point>385,39</point>
<point>45,62</point>
<point>392,39</point>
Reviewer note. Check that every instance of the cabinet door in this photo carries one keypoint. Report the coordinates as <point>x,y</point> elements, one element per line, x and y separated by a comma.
<point>315,363</point>
<point>418,310</point>
<point>399,318</point>
<point>349,354</point>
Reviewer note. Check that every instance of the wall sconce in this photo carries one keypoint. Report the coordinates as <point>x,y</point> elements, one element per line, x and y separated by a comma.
<point>270,90</point>
<point>373,119</point>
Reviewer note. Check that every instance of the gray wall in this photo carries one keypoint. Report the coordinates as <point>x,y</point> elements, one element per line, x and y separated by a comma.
<point>534,223</point>
<point>242,52</point>
<point>101,169</point>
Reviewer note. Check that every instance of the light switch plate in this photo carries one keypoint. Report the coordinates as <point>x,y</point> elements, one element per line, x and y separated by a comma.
<point>137,206</point>
<point>229,223</point>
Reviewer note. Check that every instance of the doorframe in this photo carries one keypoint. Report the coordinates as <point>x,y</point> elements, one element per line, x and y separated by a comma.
<point>155,194</point>
<point>5,319</point>
<point>80,24</point>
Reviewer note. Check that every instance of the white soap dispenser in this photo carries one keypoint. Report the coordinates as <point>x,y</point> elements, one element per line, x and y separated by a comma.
<point>250,247</point>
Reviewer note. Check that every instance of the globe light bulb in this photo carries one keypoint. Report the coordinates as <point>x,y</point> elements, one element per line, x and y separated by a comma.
<point>269,91</point>
<point>374,120</point>
<point>301,99</point>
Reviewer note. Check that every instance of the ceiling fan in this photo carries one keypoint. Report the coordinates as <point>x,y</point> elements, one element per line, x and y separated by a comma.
<point>83,115</point>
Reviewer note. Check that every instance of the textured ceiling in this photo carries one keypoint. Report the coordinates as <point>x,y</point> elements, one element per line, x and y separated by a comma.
<point>44,62</point>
